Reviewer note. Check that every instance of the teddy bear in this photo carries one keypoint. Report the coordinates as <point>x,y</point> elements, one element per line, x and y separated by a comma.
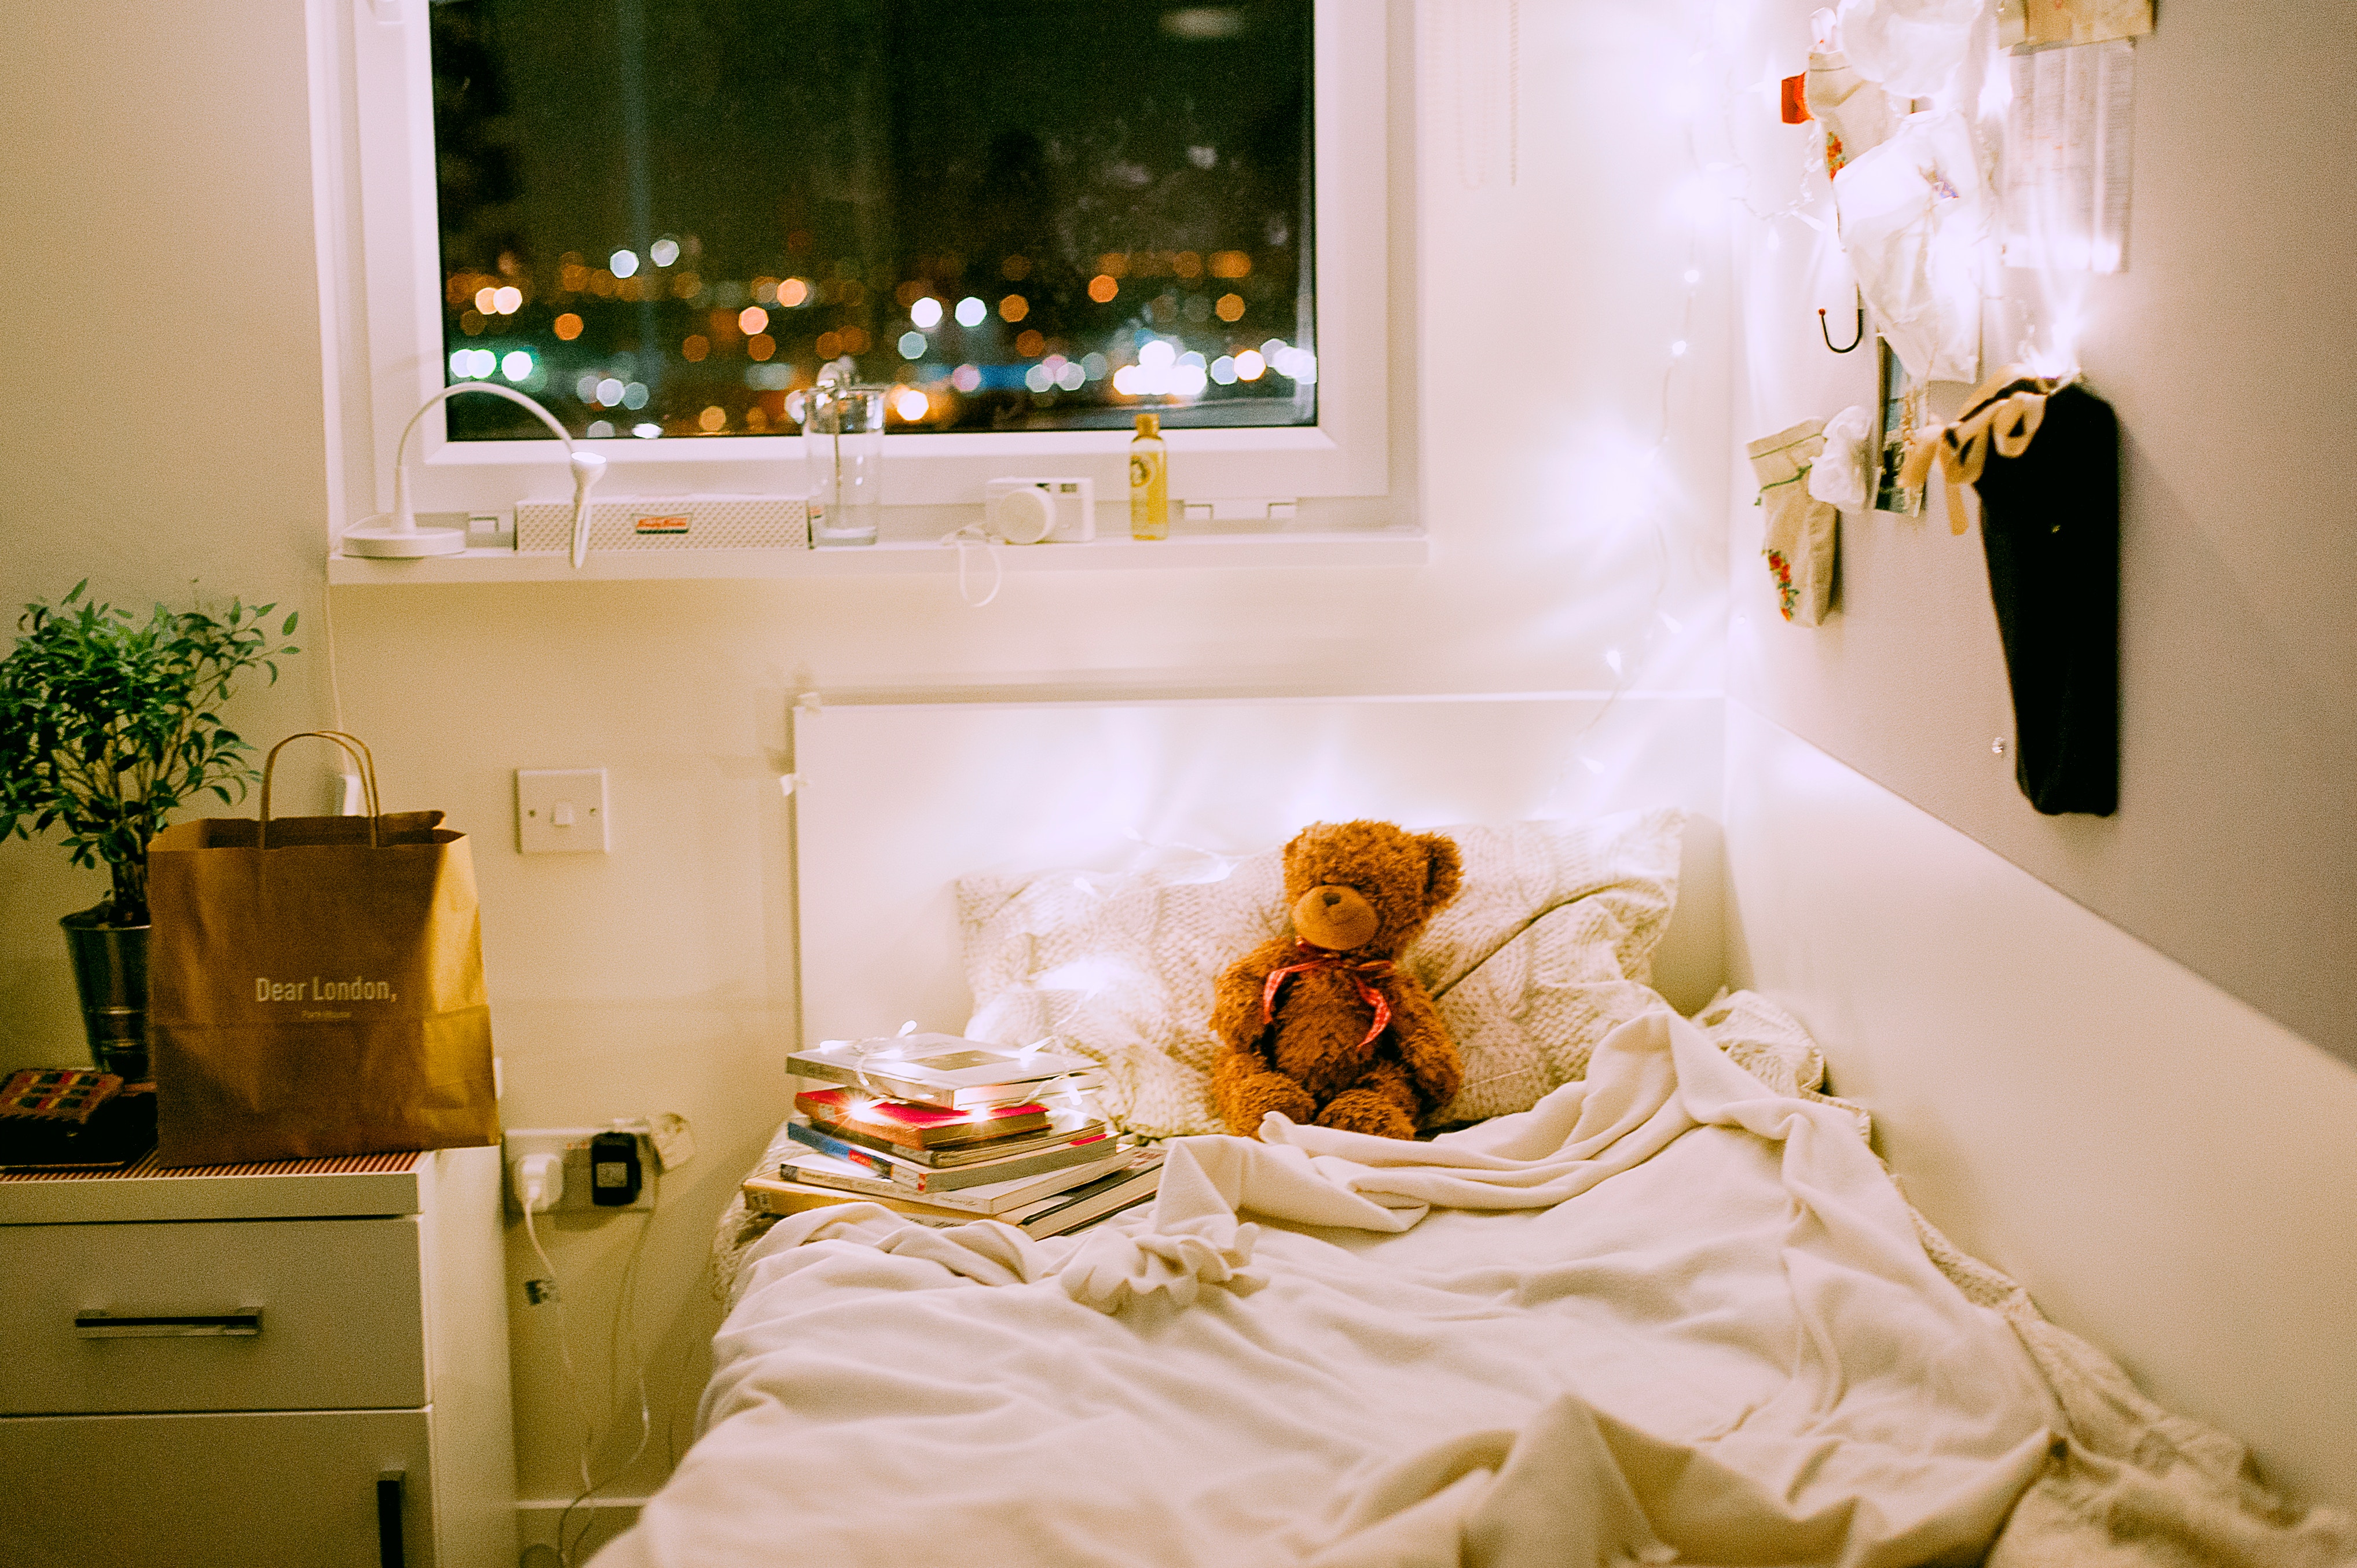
<point>1323,1025</point>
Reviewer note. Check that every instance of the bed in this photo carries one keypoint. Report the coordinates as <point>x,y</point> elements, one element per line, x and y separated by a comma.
<point>1654,1299</point>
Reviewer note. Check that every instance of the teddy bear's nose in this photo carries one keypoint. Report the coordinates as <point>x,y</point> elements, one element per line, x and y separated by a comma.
<point>1333,896</point>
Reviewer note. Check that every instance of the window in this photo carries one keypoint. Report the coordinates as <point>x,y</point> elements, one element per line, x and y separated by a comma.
<point>1030,215</point>
<point>467,180</point>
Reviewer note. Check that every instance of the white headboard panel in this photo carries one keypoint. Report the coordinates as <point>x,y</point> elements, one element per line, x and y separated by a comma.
<point>2171,1174</point>
<point>894,803</point>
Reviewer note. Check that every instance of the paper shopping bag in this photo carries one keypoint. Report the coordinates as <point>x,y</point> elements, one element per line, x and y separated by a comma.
<point>316,985</point>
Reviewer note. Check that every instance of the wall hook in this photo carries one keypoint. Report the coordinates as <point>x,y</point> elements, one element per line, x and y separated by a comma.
<point>1858,338</point>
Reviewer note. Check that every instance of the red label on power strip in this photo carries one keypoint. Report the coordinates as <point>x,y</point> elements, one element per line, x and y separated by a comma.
<point>668,523</point>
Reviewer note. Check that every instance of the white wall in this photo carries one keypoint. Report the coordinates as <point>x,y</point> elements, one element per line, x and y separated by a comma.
<point>2167,1171</point>
<point>2224,347</point>
<point>2160,1159</point>
<point>156,246</point>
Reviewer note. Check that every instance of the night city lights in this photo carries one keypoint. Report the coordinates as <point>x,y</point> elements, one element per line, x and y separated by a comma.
<point>662,237</point>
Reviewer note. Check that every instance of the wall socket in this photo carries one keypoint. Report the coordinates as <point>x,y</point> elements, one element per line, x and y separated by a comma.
<point>571,1145</point>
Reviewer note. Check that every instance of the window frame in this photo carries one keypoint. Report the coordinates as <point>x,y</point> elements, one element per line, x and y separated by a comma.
<point>381,292</point>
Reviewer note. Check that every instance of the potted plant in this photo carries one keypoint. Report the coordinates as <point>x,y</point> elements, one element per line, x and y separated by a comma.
<point>108,725</point>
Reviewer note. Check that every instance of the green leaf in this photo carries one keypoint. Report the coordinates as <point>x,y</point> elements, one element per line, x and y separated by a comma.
<point>287,628</point>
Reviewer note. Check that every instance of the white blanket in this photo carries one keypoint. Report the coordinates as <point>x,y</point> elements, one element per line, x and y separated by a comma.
<point>1701,1325</point>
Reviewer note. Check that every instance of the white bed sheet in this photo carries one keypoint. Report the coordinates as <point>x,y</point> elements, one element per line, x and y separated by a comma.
<point>1725,1341</point>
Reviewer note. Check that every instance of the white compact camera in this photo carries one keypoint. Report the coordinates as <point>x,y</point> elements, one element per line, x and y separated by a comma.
<point>1040,511</point>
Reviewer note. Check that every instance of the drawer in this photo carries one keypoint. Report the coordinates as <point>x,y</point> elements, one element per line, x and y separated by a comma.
<point>298,1490</point>
<point>217,1315</point>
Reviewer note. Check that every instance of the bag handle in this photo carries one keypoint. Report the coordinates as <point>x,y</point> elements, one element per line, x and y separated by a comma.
<point>353,746</point>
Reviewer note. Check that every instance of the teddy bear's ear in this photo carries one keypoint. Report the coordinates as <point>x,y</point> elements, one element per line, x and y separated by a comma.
<point>1444,870</point>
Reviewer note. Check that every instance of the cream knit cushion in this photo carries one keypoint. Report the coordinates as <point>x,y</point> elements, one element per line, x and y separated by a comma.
<point>1544,950</point>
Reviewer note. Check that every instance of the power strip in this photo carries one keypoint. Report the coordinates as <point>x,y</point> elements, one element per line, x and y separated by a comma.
<point>570,1146</point>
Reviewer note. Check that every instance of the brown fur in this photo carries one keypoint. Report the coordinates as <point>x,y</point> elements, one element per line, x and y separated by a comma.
<point>1309,1064</point>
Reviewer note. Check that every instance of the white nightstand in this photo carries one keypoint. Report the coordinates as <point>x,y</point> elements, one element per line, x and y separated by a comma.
<point>303,1364</point>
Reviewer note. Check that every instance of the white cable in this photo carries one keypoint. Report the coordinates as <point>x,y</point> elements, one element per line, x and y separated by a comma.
<point>565,1354</point>
<point>328,618</point>
<point>971,534</point>
<point>626,1313</point>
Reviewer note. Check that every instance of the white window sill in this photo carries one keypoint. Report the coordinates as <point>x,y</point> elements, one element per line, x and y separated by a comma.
<point>1361,547</point>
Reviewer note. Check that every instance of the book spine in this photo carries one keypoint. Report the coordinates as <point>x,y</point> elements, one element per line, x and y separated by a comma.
<point>880,1187</point>
<point>784,1198</point>
<point>885,1084</point>
<point>883,1166</point>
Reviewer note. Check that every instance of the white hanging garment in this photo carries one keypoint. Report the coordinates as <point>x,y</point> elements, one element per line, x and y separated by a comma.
<point>1858,114</point>
<point>1914,216</point>
<point>1801,532</point>
<point>1911,46</point>
<point>1840,475</point>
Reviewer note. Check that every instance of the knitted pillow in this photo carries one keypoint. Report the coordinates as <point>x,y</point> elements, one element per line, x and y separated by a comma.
<point>1546,949</point>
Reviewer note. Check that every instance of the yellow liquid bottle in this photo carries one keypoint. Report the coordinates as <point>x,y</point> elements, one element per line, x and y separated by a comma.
<point>1149,480</point>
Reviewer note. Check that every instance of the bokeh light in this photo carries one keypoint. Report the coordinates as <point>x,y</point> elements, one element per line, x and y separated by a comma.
<point>1102,288</point>
<point>1014,307</point>
<point>713,420</point>
<point>664,252</point>
<point>970,311</point>
<point>694,347</point>
<point>751,319</point>
<point>566,327</point>
<point>911,404</point>
<point>516,366</point>
<point>1230,307</point>
<point>623,262</point>
<point>793,293</point>
<point>760,346</point>
<point>912,345</point>
<point>926,314</point>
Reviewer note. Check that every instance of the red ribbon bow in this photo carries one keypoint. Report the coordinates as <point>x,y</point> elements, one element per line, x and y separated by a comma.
<point>1356,972</point>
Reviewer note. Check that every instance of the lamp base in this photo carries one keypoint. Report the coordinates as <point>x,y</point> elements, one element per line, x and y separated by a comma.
<point>378,537</point>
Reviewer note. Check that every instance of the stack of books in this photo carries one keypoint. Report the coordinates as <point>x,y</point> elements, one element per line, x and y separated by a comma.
<point>947,1129</point>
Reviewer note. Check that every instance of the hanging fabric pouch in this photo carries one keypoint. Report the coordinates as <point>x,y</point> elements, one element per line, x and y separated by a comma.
<point>316,984</point>
<point>1802,532</point>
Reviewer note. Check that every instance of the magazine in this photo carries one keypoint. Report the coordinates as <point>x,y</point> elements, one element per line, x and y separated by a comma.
<point>1113,1193</point>
<point>815,1170</point>
<point>920,1126</point>
<point>946,1070</point>
<point>919,1178</point>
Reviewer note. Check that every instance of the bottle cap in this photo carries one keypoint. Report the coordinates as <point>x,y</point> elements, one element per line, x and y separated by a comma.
<point>1149,425</point>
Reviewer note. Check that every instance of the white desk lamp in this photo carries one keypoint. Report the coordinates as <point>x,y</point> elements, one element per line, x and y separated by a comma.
<point>395,534</point>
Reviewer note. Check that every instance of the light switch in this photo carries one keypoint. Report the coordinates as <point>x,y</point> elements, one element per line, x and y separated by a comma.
<point>562,811</point>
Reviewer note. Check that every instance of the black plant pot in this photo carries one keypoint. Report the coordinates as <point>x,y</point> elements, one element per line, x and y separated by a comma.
<point>110,965</point>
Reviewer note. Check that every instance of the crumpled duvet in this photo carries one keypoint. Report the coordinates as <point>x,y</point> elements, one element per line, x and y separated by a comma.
<point>1669,1314</point>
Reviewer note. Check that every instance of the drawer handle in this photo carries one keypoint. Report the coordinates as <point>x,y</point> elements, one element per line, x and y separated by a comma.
<point>242,1324</point>
<point>388,1518</point>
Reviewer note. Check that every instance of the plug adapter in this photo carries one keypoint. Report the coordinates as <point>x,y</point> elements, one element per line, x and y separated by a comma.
<point>539,1181</point>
